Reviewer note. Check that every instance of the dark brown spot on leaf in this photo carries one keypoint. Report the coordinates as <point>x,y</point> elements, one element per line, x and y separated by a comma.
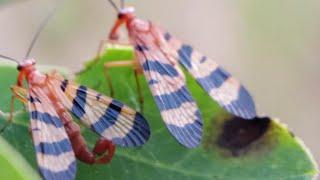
<point>238,133</point>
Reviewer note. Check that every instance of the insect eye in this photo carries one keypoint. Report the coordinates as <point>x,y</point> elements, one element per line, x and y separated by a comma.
<point>19,68</point>
<point>120,16</point>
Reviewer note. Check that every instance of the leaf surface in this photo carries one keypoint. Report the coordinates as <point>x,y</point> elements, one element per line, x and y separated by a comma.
<point>232,148</point>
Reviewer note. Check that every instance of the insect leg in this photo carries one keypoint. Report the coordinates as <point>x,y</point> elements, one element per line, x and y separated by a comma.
<point>109,81</point>
<point>100,48</point>
<point>109,65</point>
<point>20,94</point>
<point>140,93</point>
<point>137,72</point>
<point>116,42</point>
<point>9,120</point>
<point>104,42</point>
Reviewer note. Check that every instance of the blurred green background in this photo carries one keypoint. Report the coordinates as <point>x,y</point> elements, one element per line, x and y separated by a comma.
<point>271,46</point>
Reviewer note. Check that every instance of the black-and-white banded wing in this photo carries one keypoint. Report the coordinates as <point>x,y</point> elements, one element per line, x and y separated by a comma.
<point>55,156</point>
<point>106,116</point>
<point>217,82</point>
<point>168,86</point>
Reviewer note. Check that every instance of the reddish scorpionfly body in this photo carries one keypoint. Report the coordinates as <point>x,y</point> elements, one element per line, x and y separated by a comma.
<point>158,56</point>
<point>56,137</point>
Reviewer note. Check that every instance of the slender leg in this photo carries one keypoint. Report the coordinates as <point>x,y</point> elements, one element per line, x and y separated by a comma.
<point>108,77</point>
<point>20,94</point>
<point>140,93</point>
<point>102,44</point>
<point>133,63</point>
<point>9,121</point>
<point>100,49</point>
<point>109,65</point>
<point>137,72</point>
<point>113,42</point>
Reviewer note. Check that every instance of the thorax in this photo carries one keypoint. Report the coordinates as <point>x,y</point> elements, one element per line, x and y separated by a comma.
<point>139,25</point>
<point>35,78</point>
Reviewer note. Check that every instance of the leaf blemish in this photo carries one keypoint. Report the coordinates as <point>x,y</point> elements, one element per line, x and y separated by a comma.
<point>239,133</point>
<point>239,137</point>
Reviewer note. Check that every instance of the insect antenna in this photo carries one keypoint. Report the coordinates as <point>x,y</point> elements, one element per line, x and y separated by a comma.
<point>113,4</point>
<point>9,58</point>
<point>40,29</point>
<point>122,4</point>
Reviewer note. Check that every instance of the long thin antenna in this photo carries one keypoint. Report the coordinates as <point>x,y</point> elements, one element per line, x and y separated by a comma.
<point>122,4</point>
<point>9,58</point>
<point>40,29</point>
<point>113,4</point>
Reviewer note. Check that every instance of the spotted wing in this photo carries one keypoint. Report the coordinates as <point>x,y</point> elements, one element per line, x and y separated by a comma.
<point>55,156</point>
<point>217,82</point>
<point>107,117</point>
<point>168,86</point>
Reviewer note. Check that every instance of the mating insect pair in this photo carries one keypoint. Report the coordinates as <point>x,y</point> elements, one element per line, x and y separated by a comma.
<point>158,55</point>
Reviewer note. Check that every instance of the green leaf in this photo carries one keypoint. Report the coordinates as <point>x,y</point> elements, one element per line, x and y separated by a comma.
<point>232,148</point>
<point>13,165</point>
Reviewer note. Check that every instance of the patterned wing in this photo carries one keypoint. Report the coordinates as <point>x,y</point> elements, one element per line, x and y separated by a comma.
<point>55,156</point>
<point>107,117</point>
<point>168,86</point>
<point>217,82</point>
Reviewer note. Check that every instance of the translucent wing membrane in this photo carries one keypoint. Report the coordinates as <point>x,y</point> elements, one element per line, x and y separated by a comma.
<point>167,83</point>
<point>218,83</point>
<point>55,156</point>
<point>107,117</point>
